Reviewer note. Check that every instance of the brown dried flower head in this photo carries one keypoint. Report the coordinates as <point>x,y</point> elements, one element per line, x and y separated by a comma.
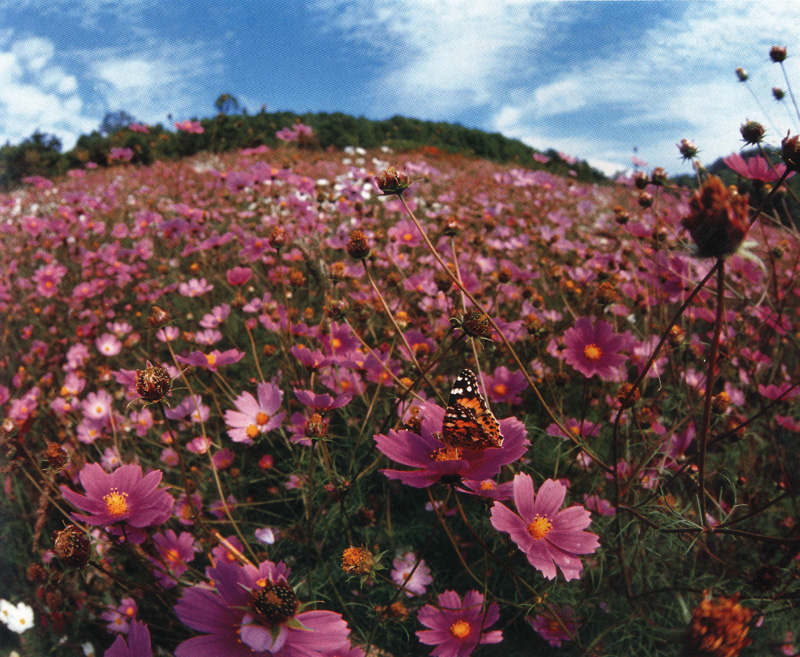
<point>477,324</point>
<point>357,561</point>
<point>718,220</point>
<point>777,54</point>
<point>277,238</point>
<point>158,317</point>
<point>55,456</point>
<point>72,546</point>
<point>357,246</point>
<point>790,152</point>
<point>718,628</point>
<point>153,383</point>
<point>752,132</point>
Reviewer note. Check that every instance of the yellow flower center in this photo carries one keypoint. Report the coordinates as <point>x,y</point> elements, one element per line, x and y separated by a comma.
<point>540,527</point>
<point>48,284</point>
<point>446,454</point>
<point>172,556</point>
<point>116,502</point>
<point>99,409</point>
<point>592,352</point>
<point>460,629</point>
<point>251,431</point>
<point>500,389</point>
<point>336,343</point>
<point>211,359</point>
<point>407,237</point>
<point>487,484</point>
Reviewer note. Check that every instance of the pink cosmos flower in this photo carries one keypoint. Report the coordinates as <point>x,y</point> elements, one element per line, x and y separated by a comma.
<point>756,168</point>
<point>123,500</point>
<point>192,127</point>
<point>118,618</point>
<point>505,386</point>
<point>239,275</point>
<point>322,402</point>
<point>434,461</point>
<point>139,127</point>
<point>405,233</point>
<point>254,417</point>
<point>549,537</point>
<point>174,552</point>
<point>47,279</point>
<point>457,628</point>
<point>121,154</point>
<point>97,405</point>
<point>195,287</point>
<point>137,644</point>
<point>594,349</point>
<point>254,612</point>
<point>556,626</point>
<point>213,360</point>
<point>416,582</point>
<point>108,344</point>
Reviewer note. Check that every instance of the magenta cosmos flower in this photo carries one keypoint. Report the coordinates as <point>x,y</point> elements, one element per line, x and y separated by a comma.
<point>137,644</point>
<point>123,501</point>
<point>594,349</point>
<point>412,576</point>
<point>555,626</point>
<point>254,416</point>
<point>756,168</point>
<point>254,612</point>
<point>434,461</point>
<point>213,360</point>
<point>549,537</point>
<point>457,628</point>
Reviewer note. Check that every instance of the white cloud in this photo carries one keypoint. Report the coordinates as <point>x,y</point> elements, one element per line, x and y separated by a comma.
<point>35,95</point>
<point>680,82</point>
<point>443,56</point>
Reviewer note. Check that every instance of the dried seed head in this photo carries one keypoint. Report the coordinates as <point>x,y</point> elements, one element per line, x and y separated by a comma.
<point>153,383</point>
<point>718,220</point>
<point>72,546</point>
<point>645,199</point>
<point>357,246</point>
<point>718,628</point>
<point>158,317</point>
<point>641,180</point>
<point>357,561</point>
<point>55,456</point>
<point>476,324</point>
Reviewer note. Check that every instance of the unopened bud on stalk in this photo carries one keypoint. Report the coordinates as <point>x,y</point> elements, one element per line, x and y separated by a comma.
<point>641,180</point>
<point>752,132</point>
<point>718,220</point>
<point>645,199</point>
<point>790,152</point>
<point>778,93</point>
<point>357,246</point>
<point>277,238</point>
<point>687,149</point>
<point>742,74</point>
<point>72,546</point>
<point>777,53</point>
<point>393,181</point>
<point>153,383</point>
<point>658,177</point>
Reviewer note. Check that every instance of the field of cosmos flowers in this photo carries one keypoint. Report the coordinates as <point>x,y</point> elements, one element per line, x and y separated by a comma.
<point>301,402</point>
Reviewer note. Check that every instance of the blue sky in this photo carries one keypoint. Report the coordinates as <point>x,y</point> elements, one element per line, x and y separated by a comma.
<point>594,79</point>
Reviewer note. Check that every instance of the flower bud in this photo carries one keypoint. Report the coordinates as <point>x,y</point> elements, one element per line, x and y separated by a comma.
<point>645,199</point>
<point>357,561</point>
<point>687,149</point>
<point>158,317</point>
<point>277,238</point>
<point>778,93</point>
<point>752,132</point>
<point>790,152</point>
<point>393,181</point>
<point>742,74</point>
<point>777,53</point>
<point>641,180</point>
<point>658,177</point>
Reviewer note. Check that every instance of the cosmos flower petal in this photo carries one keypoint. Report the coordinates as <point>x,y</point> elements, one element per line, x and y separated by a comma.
<point>505,520</point>
<point>202,610</point>
<point>212,645</point>
<point>524,496</point>
<point>550,498</point>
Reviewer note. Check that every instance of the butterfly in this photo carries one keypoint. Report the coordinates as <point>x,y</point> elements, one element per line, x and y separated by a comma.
<point>468,422</point>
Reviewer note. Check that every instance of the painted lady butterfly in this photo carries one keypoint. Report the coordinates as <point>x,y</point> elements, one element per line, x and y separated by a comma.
<point>468,422</point>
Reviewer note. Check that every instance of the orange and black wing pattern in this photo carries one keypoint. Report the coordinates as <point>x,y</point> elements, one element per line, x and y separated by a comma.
<point>468,422</point>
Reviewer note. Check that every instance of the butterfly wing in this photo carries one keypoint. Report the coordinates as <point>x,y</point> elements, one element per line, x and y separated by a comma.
<point>468,422</point>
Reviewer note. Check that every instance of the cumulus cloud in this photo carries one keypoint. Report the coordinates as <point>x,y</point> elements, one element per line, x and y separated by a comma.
<point>35,94</point>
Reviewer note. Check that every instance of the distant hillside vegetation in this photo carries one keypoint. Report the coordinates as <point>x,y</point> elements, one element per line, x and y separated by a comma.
<point>41,154</point>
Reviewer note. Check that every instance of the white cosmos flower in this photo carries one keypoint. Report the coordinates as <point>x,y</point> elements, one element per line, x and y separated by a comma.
<point>18,618</point>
